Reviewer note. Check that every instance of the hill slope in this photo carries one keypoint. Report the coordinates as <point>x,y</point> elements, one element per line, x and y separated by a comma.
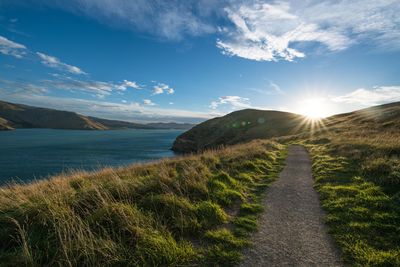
<point>23,116</point>
<point>374,119</point>
<point>249,124</point>
<point>236,127</point>
<point>184,211</point>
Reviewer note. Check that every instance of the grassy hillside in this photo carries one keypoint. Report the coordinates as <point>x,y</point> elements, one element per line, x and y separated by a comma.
<point>22,116</point>
<point>356,167</point>
<point>236,127</point>
<point>193,210</point>
<point>245,125</point>
<point>360,191</point>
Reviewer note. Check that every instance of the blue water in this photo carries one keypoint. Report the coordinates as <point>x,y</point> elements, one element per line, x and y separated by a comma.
<point>27,154</point>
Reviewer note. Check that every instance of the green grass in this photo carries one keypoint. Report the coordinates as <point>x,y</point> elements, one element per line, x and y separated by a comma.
<point>359,189</point>
<point>192,210</point>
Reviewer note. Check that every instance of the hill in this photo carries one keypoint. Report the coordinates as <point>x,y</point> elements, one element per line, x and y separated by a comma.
<point>170,125</point>
<point>368,123</point>
<point>245,125</point>
<point>23,116</point>
<point>115,124</point>
<point>236,127</point>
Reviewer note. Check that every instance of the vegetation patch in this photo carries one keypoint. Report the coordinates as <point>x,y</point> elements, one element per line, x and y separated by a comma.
<point>191,210</point>
<point>359,189</point>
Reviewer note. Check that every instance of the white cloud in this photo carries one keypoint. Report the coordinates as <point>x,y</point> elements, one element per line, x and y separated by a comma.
<point>148,102</point>
<point>272,31</point>
<point>126,84</point>
<point>161,88</point>
<point>54,62</point>
<point>368,97</point>
<point>172,19</point>
<point>10,48</point>
<point>98,88</point>
<point>232,101</point>
<point>17,50</point>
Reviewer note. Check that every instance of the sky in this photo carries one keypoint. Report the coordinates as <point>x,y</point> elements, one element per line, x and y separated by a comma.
<point>187,60</point>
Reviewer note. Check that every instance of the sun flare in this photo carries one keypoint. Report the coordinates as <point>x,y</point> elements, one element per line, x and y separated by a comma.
<point>314,108</point>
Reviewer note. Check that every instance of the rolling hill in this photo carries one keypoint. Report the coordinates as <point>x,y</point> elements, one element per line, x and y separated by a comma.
<point>237,127</point>
<point>14,116</point>
<point>245,125</point>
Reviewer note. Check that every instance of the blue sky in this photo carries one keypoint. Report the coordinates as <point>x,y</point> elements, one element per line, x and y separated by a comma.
<point>187,61</point>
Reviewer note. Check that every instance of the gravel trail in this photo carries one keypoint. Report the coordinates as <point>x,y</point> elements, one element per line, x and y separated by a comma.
<point>292,230</point>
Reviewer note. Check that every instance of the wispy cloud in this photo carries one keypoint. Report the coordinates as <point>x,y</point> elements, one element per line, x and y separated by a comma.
<point>271,31</point>
<point>121,111</point>
<point>129,84</point>
<point>60,82</point>
<point>368,97</point>
<point>55,63</point>
<point>232,101</point>
<point>98,88</point>
<point>21,87</point>
<point>161,88</point>
<point>10,48</point>
<point>171,19</point>
<point>271,89</point>
<point>262,30</point>
<point>148,102</point>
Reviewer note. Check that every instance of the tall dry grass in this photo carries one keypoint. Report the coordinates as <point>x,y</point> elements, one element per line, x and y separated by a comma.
<point>168,212</point>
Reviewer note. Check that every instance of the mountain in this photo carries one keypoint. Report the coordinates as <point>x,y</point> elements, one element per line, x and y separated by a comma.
<point>23,116</point>
<point>244,125</point>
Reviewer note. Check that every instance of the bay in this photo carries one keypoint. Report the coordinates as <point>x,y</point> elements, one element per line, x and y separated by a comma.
<point>27,154</point>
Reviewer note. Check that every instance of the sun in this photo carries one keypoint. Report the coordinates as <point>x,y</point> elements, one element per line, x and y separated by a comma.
<point>314,108</point>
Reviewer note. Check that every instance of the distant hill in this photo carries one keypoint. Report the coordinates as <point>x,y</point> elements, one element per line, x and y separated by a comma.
<point>244,125</point>
<point>14,116</point>
<point>170,125</point>
<point>113,124</point>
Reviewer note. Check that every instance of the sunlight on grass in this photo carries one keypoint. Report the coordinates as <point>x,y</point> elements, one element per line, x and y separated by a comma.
<point>193,210</point>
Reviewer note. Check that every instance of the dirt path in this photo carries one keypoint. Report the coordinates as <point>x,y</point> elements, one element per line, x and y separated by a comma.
<point>292,230</point>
